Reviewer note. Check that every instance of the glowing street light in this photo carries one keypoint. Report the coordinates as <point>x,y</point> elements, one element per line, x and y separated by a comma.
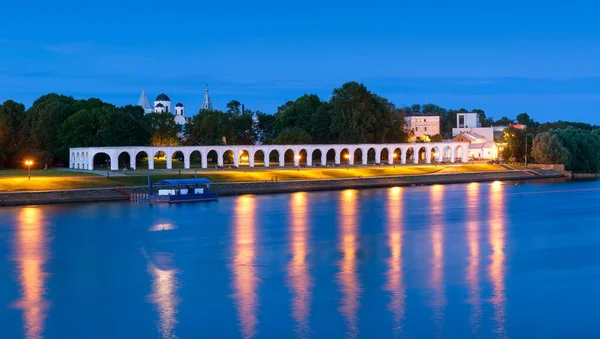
<point>395,155</point>
<point>28,163</point>
<point>347,156</point>
<point>299,157</point>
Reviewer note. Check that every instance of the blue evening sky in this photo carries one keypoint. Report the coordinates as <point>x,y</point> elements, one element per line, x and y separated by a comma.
<point>505,57</point>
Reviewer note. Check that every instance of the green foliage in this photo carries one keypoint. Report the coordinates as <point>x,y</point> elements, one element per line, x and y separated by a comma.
<point>266,128</point>
<point>437,138</point>
<point>515,148</point>
<point>583,147</point>
<point>359,116</point>
<point>209,127</point>
<point>578,149</point>
<point>11,117</point>
<point>102,126</point>
<point>163,129</point>
<point>548,149</point>
<point>293,136</point>
<point>309,113</point>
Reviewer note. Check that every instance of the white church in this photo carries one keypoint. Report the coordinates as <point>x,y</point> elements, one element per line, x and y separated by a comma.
<point>163,103</point>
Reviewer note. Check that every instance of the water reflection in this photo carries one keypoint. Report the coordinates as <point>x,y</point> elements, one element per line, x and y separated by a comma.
<point>298,276</point>
<point>497,240</point>
<point>438,301</point>
<point>245,280</point>
<point>395,285</point>
<point>31,255</point>
<point>164,292</point>
<point>348,276</point>
<point>473,236</point>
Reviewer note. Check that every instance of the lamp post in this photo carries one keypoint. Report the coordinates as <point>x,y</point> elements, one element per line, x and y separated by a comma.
<point>28,163</point>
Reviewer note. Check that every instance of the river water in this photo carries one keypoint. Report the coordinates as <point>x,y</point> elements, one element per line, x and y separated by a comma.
<point>488,260</point>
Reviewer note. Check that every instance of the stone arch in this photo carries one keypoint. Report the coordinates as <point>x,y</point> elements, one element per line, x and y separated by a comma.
<point>124,159</point>
<point>409,157</point>
<point>160,159</point>
<point>259,159</point>
<point>330,156</point>
<point>436,154</point>
<point>243,158</point>
<point>177,159</point>
<point>316,157</point>
<point>301,158</point>
<point>358,155</point>
<point>421,154</point>
<point>372,156</point>
<point>101,160</point>
<point>212,158</point>
<point>73,159</point>
<point>447,154</point>
<point>397,155</point>
<point>458,154</point>
<point>345,156</point>
<point>274,156</point>
<point>228,158</point>
<point>142,160</point>
<point>196,159</point>
<point>384,156</point>
<point>288,157</point>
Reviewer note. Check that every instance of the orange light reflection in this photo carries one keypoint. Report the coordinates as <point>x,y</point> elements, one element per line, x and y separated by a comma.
<point>298,275</point>
<point>394,275</point>
<point>496,269</point>
<point>348,276</point>
<point>245,281</point>
<point>437,263</point>
<point>164,293</point>
<point>31,254</point>
<point>473,237</point>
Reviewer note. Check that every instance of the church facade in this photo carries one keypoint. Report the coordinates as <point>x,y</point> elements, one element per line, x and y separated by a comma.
<point>163,104</point>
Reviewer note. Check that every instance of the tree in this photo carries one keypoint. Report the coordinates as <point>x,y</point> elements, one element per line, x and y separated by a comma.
<point>524,119</point>
<point>11,116</point>
<point>234,108</point>
<point>504,121</point>
<point>515,144</point>
<point>293,136</point>
<point>163,129</point>
<point>437,138</point>
<point>548,149</point>
<point>266,128</point>
<point>353,115</point>
<point>208,127</point>
<point>299,113</point>
<point>583,147</point>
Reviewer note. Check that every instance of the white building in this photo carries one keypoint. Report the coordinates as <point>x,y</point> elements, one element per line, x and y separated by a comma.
<point>421,124</point>
<point>480,148</point>
<point>163,104</point>
<point>470,123</point>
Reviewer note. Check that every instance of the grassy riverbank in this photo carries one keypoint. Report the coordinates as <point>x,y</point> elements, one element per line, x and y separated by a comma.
<point>16,180</point>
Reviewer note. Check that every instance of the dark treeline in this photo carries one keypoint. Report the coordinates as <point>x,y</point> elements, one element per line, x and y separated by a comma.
<point>353,114</point>
<point>575,144</point>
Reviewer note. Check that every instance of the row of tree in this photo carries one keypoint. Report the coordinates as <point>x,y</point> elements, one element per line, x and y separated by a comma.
<point>54,123</point>
<point>353,114</point>
<point>577,148</point>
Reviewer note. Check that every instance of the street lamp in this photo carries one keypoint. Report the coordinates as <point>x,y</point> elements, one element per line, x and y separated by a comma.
<point>347,156</point>
<point>395,155</point>
<point>28,163</point>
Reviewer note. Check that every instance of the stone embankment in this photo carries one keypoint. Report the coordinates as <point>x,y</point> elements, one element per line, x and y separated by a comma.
<point>224,189</point>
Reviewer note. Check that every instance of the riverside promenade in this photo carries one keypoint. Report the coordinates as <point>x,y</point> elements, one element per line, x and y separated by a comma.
<point>17,198</point>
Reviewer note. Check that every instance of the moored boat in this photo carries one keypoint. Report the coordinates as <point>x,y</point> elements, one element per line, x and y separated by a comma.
<point>176,191</point>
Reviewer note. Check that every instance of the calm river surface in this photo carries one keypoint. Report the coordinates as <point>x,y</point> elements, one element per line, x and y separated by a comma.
<point>487,260</point>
